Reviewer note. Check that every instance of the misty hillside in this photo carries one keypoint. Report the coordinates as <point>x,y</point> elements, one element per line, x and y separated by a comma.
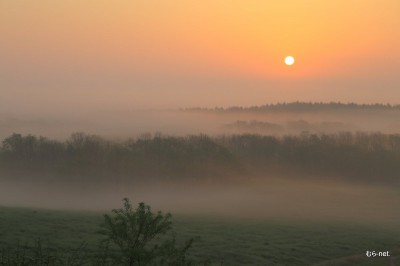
<point>272,119</point>
<point>296,126</point>
<point>353,157</point>
<point>302,107</point>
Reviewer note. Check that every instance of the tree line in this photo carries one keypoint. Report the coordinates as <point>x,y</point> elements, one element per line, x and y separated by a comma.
<point>90,156</point>
<point>302,107</point>
<point>354,156</point>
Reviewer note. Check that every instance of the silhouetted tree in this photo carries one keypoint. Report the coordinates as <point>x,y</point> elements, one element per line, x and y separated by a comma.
<point>137,233</point>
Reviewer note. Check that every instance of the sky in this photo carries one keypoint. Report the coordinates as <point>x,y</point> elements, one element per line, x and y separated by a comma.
<point>85,55</point>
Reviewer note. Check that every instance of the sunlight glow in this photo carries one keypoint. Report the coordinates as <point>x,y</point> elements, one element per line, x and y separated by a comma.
<point>289,60</point>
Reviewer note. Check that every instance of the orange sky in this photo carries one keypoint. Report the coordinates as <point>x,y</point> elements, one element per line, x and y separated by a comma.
<point>178,53</point>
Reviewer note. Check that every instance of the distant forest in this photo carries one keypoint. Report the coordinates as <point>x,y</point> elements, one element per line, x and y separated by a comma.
<point>301,107</point>
<point>351,156</point>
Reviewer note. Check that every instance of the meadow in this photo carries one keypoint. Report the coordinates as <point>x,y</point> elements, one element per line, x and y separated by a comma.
<point>307,199</point>
<point>223,241</point>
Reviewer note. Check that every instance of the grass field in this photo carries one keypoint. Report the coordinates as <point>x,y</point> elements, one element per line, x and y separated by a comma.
<point>224,241</point>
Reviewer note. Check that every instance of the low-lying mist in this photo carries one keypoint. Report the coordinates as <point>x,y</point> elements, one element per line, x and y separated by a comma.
<point>274,162</point>
<point>254,199</point>
<point>336,177</point>
<point>278,119</point>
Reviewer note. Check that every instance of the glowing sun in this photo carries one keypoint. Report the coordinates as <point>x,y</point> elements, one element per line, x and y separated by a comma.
<point>289,60</point>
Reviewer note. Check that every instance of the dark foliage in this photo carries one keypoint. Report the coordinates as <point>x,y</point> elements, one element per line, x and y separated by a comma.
<point>354,156</point>
<point>137,233</point>
<point>89,156</point>
<point>360,156</point>
<point>37,255</point>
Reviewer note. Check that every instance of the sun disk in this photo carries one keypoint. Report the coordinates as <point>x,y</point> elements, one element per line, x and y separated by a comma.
<point>289,60</point>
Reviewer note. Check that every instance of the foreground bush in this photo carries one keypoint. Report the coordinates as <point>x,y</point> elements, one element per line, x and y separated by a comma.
<point>137,234</point>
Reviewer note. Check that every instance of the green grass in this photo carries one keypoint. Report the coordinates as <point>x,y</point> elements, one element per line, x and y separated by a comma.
<point>223,240</point>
